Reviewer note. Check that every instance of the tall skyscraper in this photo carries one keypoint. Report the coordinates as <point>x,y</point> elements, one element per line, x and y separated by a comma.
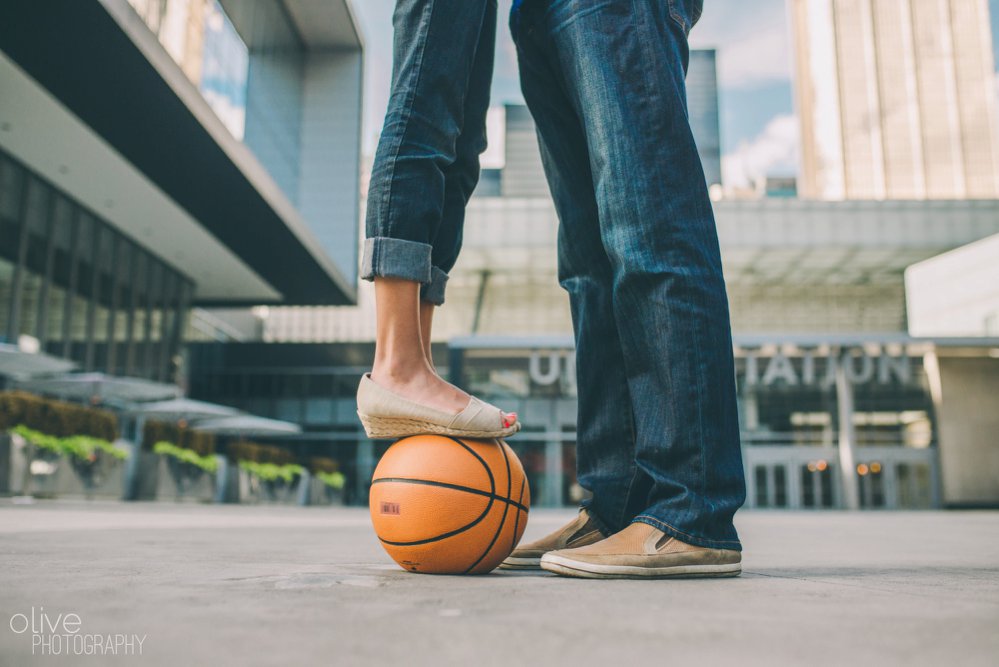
<point>702,106</point>
<point>896,99</point>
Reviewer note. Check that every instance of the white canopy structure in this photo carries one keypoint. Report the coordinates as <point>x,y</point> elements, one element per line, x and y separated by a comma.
<point>248,426</point>
<point>99,387</point>
<point>20,364</point>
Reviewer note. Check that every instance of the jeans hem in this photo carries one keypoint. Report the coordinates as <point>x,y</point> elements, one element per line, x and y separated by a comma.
<point>433,291</point>
<point>605,528</point>
<point>386,257</point>
<point>686,537</point>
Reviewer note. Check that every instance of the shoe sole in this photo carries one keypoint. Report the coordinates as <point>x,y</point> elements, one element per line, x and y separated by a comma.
<point>398,427</point>
<point>513,563</point>
<point>575,568</point>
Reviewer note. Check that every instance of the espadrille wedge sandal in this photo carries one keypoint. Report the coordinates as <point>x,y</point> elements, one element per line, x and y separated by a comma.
<point>385,414</point>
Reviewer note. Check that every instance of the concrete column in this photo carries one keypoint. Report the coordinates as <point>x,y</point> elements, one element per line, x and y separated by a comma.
<point>750,410</point>
<point>847,439</point>
<point>303,496</point>
<point>964,395</point>
<point>6,458</point>
<point>226,481</point>
<point>363,468</point>
<point>551,493</point>
<point>132,467</point>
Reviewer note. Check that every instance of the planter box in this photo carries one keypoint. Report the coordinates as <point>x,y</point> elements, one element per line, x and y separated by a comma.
<point>183,482</point>
<point>318,492</point>
<point>253,490</point>
<point>39,472</point>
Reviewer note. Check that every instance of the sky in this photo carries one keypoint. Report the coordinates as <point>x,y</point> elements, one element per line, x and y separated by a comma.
<point>758,126</point>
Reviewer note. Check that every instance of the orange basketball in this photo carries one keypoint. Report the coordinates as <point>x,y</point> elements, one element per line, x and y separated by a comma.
<point>445,505</point>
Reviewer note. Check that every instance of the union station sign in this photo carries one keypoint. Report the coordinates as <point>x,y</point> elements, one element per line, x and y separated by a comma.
<point>768,365</point>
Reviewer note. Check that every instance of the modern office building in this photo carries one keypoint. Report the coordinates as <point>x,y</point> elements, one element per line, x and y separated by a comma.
<point>702,109</point>
<point>161,154</point>
<point>896,99</point>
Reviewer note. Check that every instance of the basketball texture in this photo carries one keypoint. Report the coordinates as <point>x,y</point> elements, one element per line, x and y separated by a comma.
<point>443,505</point>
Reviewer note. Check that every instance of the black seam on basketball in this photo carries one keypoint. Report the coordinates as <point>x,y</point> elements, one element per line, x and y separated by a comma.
<point>516,522</point>
<point>446,485</point>
<point>485,466</point>
<point>485,512</point>
<point>506,509</point>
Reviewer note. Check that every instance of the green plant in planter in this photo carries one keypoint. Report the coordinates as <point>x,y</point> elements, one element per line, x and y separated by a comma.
<point>82,447</point>
<point>86,454</point>
<point>273,472</point>
<point>206,463</point>
<point>334,480</point>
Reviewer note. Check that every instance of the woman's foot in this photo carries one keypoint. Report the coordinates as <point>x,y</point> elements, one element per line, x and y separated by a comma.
<point>421,385</point>
<point>403,395</point>
<point>395,404</point>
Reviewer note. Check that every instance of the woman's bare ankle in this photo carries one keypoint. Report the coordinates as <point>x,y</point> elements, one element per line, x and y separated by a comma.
<point>419,383</point>
<point>400,372</point>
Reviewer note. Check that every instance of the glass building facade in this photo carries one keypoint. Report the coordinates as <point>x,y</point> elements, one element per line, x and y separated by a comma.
<point>801,407</point>
<point>84,290</point>
<point>293,101</point>
<point>791,400</point>
<point>202,40</point>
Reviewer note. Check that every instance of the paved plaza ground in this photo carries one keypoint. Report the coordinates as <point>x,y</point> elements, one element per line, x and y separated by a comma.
<point>243,585</point>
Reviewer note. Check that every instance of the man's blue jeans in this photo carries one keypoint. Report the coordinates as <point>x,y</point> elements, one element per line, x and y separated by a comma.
<point>658,434</point>
<point>427,162</point>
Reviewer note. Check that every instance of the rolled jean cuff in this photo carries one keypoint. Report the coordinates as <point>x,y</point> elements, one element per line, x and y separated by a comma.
<point>386,257</point>
<point>433,291</point>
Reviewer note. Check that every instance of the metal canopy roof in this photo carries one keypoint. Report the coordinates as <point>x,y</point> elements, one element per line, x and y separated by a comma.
<point>183,408</point>
<point>321,24</point>
<point>767,241</point>
<point>99,387</point>
<point>748,340</point>
<point>20,365</point>
<point>247,425</point>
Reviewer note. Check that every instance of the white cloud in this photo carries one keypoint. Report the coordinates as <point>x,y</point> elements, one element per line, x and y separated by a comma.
<point>752,40</point>
<point>773,151</point>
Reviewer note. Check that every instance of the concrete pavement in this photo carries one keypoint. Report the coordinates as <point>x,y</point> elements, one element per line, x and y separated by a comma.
<point>282,585</point>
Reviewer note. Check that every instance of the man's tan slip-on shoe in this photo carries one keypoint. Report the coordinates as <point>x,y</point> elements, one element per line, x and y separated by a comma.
<point>642,551</point>
<point>579,532</point>
<point>385,414</point>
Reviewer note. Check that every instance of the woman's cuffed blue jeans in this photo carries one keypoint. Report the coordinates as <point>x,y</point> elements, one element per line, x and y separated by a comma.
<point>657,430</point>
<point>427,162</point>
